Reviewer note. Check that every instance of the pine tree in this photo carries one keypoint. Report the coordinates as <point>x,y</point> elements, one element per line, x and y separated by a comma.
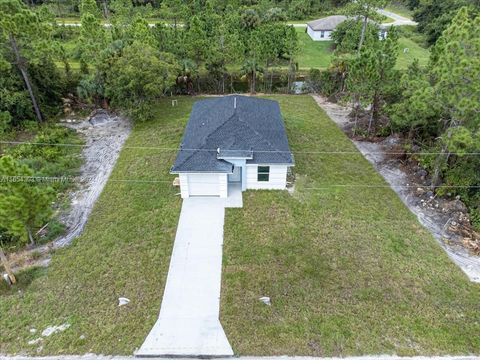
<point>455,69</point>
<point>24,205</point>
<point>365,10</point>
<point>28,37</point>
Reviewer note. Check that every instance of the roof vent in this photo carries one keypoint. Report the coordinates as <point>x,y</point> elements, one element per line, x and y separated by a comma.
<point>234,102</point>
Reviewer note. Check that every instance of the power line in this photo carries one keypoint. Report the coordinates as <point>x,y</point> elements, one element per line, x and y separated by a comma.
<point>339,152</point>
<point>22,178</point>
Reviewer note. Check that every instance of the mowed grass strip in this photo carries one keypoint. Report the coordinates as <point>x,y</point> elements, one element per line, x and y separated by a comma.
<point>319,54</point>
<point>124,251</point>
<point>349,270</point>
<point>409,50</point>
<point>313,54</point>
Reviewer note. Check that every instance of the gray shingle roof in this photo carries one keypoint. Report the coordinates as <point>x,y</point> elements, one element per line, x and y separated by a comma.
<point>330,23</point>
<point>253,125</point>
<point>327,23</point>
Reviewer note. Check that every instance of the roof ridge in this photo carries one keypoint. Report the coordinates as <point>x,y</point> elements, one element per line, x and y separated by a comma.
<point>255,124</point>
<point>263,138</point>
<point>204,141</point>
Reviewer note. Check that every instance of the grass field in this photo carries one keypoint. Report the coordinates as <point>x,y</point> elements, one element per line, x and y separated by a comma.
<point>415,51</point>
<point>124,251</point>
<point>313,54</point>
<point>349,271</point>
<point>318,54</point>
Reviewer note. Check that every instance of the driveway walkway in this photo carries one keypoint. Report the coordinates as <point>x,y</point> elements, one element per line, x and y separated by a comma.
<point>366,357</point>
<point>189,324</point>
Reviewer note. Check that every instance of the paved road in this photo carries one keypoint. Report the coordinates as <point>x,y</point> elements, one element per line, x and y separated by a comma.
<point>399,20</point>
<point>189,323</point>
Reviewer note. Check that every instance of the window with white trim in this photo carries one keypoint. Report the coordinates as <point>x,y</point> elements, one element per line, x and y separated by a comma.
<point>322,34</point>
<point>263,173</point>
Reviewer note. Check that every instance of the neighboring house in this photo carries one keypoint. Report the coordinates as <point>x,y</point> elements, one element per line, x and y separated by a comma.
<point>322,29</point>
<point>233,140</point>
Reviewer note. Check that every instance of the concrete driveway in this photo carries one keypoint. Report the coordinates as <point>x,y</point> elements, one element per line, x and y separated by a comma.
<point>189,324</point>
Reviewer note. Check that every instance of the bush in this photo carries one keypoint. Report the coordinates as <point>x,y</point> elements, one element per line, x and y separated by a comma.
<point>475,217</point>
<point>5,119</point>
<point>314,80</point>
<point>53,160</point>
<point>330,82</point>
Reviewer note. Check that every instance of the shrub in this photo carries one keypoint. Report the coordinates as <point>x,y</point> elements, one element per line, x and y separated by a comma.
<point>5,119</point>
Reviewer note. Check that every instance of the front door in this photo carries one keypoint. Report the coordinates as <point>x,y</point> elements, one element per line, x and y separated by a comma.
<point>236,176</point>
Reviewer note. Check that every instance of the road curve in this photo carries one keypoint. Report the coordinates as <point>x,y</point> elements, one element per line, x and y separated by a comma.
<point>398,19</point>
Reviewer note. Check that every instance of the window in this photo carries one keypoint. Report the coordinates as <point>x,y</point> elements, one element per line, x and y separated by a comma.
<point>263,173</point>
<point>322,34</point>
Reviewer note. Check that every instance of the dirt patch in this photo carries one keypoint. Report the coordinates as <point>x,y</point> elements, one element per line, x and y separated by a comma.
<point>446,219</point>
<point>104,135</point>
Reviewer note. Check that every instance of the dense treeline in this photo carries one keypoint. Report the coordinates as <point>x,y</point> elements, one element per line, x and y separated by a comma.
<point>436,108</point>
<point>439,108</point>
<point>213,41</point>
<point>294,9</point>
<point>434,17</point>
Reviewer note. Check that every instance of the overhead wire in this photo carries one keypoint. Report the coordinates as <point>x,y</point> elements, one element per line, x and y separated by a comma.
<point>309,152</point>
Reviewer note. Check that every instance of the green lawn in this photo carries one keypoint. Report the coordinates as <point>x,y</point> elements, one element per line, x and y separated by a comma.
<point>415,51</point>
<point>313,54</point>
<point>318,54</point>
<point>349,270</point>
<point>124,251</point>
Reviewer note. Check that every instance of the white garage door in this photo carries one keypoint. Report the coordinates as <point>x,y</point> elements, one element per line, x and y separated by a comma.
<point>203,185</point>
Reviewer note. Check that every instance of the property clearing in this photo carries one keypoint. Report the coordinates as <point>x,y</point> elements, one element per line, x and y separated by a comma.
<point>436,214</point>
<point>104,136</point>
<point>347,266</point>
<point>349,270</point>
<point>124,251</point>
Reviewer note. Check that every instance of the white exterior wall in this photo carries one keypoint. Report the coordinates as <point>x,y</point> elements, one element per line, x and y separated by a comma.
<point>220,187</point>
<point>223,185</point>
<point>316,35</point>
<point>277,179</point>
<point>183,185</point>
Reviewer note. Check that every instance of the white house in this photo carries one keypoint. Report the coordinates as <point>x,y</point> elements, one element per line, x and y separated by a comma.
<point>233,140</point>
<point>322,29</point>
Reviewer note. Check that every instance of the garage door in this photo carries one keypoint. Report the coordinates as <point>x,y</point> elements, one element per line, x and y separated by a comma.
<point>203,185</point>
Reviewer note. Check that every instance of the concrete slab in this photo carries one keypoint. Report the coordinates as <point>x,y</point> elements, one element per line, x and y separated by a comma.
<point>189,324</point>
<point>234,199</point>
